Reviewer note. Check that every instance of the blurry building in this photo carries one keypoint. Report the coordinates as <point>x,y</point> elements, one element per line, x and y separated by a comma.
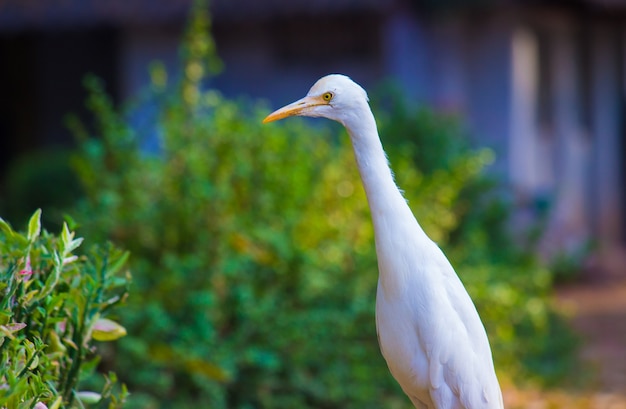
<point>540,82</point>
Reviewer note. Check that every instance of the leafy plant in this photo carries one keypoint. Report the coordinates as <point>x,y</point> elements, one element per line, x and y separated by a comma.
<point>253,254</point>
<point>52,309</point>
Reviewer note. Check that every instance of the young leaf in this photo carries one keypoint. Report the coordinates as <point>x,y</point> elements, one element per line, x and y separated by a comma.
<point>57,403</point>
<point>88,397</point>
<point>66,236</point>
<point>4,226</point>
<point>118,264</point>
<point>34,226</point>
<point>73,245</point>
<point>107,330</point>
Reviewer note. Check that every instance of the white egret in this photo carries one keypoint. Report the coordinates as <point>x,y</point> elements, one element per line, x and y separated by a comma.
<point>429,330</point>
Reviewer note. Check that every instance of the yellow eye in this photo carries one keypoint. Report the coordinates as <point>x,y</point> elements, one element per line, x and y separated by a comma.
<point>327,96</point>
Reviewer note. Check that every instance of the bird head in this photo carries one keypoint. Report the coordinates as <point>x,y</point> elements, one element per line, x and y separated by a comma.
<point>334,97</point>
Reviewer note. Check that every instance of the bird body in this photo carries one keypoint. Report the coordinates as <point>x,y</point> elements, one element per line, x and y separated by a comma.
<point>429,331</point>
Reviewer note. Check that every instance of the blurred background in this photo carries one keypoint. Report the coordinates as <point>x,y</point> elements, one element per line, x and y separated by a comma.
<point>504,122</point>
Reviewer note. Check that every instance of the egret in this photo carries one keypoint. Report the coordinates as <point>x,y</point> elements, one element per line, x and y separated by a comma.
<point>429,331</point>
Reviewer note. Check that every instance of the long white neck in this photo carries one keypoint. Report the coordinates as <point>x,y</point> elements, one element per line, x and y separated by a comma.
<point>393,220</point>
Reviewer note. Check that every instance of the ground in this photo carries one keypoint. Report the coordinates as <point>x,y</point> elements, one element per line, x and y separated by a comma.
<point>597,307</point>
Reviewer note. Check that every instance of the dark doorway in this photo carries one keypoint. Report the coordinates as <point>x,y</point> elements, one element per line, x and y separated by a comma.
<point>41,77</point>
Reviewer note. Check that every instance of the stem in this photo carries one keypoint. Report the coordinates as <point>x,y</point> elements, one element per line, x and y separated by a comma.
<point>73,373</point>
<point>79,401</point>
<point>11,288</point>
<point>30,361</point>
<point>103,271</point>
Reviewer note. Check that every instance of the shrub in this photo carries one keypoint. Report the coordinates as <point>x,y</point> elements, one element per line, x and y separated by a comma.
<point>254,264</point>
<point>52,309</point>
<point>253,267</point>
<point>253,254</point>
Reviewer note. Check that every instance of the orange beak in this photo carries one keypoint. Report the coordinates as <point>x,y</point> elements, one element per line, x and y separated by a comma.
<point>300,107</point>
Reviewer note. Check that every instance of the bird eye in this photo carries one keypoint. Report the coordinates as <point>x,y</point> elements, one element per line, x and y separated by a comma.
<point>327,96</point>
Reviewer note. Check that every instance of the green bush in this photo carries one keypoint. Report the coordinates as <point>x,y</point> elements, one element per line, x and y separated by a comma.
<point>253,266</point>
<point>253,255</point>
<point>53,306</point>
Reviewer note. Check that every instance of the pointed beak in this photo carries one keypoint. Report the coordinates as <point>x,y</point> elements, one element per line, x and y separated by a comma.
<point>300,107</point>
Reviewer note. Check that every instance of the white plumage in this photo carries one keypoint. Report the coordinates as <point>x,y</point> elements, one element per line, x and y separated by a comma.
<point>430,333</point>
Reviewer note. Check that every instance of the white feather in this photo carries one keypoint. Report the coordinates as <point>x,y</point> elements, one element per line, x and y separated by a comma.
<point>429,330</point>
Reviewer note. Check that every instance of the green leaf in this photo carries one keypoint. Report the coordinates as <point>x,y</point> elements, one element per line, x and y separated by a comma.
<point>88,397</point>
<point>5,316</point>
<point>66,235</point>
<point>107,330</point>
<point>53,277</point>
<point>73,245</point>
<point>206,369</point>
<point>118,264</point>
<point>69,220</point>
<point>34,226</point>
<point>4,226</point>
<point>57,403</point>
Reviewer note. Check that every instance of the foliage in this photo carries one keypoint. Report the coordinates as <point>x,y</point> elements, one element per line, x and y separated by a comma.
<point>253,255</point>
<point>52,307</point>
<point>241,260</point>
